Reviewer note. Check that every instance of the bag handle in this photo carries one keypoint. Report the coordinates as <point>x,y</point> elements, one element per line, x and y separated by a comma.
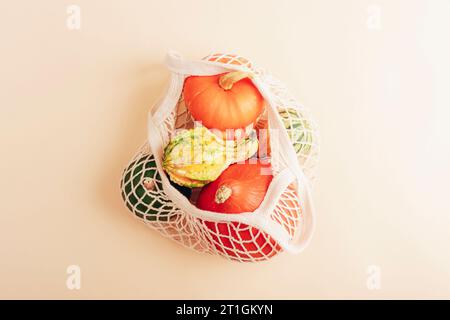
<point>177,64</point>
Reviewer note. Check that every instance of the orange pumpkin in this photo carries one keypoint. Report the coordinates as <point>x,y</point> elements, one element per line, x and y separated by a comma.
<point>223,101</point>
<point>240,188</point>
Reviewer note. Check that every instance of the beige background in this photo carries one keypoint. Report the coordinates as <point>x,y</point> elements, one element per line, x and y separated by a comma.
<point>73,111</point>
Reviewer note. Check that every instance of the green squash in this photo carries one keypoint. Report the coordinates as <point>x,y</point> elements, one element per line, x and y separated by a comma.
<point>143,193</point>
<point>299,130</point>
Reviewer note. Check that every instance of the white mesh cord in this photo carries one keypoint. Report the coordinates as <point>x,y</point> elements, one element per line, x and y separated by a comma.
<point>285,218</point>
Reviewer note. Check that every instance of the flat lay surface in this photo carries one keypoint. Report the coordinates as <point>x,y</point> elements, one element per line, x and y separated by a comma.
<point>74,102</point>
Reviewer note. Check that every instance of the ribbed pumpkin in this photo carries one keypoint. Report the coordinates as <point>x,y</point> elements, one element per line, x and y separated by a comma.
<point>240,188</point>
<point>224,101</point>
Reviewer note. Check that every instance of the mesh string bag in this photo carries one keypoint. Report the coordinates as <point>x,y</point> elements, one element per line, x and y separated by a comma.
<point>284,221</point>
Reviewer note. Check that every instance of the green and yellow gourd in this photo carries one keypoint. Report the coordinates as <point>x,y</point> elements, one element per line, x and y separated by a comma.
<point>195,157</point>
<point>141,183</point>
<point>142,190</point>
<point>298,129</point>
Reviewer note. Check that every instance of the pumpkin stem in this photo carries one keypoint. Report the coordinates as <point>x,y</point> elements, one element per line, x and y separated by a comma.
<point>227,80</point>
<point>149,184</point>
<point>222,194</point>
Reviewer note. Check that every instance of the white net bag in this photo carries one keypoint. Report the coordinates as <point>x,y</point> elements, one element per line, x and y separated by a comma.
<point>284,219</point>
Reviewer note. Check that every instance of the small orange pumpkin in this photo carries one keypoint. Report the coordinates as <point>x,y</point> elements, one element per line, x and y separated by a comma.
<point>242,188</point>
<point>224,101</point>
